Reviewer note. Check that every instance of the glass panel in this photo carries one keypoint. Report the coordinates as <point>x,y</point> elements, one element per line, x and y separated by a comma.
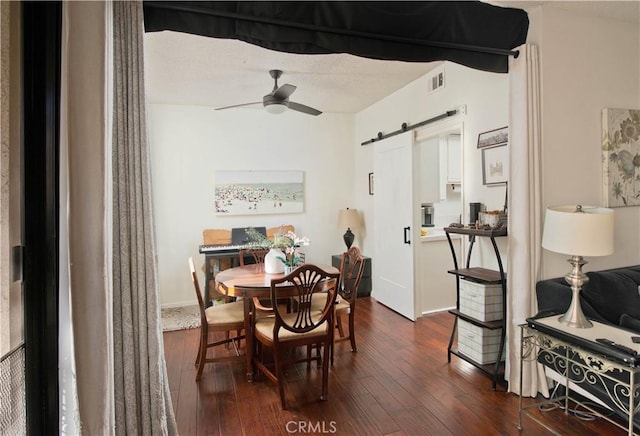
<point>12,353</point>
<point>11,313</point>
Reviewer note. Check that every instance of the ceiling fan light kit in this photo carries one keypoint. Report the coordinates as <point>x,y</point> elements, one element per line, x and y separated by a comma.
<point>275,107</point>
<point>277,101</point>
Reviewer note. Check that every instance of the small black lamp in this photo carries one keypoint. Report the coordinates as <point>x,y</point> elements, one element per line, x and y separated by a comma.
<point>348,218</point>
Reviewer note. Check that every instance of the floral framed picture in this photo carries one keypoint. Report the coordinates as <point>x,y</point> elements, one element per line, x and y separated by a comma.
<point>258,192</point>
<point>495,165</point>
<point>621,157</point>
<point>493,137</point>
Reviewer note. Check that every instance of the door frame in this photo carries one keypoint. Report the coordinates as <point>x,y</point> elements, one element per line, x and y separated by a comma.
<point>41,57</point>
<point>443,127</point>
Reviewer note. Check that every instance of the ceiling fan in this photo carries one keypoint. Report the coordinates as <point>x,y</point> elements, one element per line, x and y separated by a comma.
<point>277,101</point>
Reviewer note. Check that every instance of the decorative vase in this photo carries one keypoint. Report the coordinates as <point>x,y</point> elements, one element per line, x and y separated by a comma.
<point>288,269</point>
<point>273,265</point>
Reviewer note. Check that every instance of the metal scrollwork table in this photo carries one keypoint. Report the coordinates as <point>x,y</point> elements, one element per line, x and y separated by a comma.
<point>582,362</point>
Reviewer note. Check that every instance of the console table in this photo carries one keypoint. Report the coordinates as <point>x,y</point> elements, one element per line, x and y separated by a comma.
<point>584,363</point>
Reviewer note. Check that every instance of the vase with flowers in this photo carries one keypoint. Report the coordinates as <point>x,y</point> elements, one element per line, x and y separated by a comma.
<point>284,251</point>
<point>290,245</point>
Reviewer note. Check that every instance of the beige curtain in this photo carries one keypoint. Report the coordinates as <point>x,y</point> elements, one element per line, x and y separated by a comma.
<point>85,307</point>
<point>525,215</point>
<point>111,325</point>
<point>141,390</point>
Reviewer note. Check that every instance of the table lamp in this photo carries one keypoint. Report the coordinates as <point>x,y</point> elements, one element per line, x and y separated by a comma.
<point>348,218</point>
<point>578,231</point>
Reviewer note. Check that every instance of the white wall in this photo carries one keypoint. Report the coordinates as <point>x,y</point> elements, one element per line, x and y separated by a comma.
<point>587,64</point>
<point>486,98</point>
<point>189,143</point>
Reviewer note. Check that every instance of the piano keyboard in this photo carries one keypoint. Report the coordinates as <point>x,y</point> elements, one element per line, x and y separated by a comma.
<point>204,249</point>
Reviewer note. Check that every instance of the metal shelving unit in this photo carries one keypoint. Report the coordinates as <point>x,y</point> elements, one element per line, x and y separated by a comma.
<point>485,276</point>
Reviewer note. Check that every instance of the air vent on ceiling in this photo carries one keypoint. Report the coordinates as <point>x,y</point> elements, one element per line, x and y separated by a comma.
<point>436,80</point>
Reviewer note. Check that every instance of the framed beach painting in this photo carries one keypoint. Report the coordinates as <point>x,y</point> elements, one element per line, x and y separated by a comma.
<point>258,192</point>
<point>621,157</point>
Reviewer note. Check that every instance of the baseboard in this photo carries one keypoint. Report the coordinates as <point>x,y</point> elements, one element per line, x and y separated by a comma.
<point>444,309</point>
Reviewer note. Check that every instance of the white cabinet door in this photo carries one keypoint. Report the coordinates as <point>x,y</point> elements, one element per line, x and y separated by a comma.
<point>450,162</point>
<point>454,159</point>
<point>393,281</point>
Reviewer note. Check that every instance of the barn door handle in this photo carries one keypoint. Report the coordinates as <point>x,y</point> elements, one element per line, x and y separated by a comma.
<point>407,235</point>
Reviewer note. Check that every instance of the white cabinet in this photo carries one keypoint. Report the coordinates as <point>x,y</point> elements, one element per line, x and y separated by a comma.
<point>450,158</point>
<point>454,159</point>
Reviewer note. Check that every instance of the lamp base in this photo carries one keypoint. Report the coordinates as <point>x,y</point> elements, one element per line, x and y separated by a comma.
<point>577,279</point>
<point>348,237</point>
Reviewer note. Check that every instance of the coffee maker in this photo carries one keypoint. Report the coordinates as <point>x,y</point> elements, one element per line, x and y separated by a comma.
<point>426,211</point>
<point>474,212</point>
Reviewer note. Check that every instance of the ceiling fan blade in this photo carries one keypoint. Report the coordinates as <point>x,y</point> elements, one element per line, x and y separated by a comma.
<point>304,109</point>
<point>238,105</point>
<point>284,91</point>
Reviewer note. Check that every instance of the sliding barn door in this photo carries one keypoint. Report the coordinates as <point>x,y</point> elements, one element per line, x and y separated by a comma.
<point>393,207</point>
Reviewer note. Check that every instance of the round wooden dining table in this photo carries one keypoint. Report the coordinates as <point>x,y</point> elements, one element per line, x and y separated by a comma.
<point>251,281</point>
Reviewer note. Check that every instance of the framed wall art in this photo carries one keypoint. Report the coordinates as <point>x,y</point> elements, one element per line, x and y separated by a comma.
<point>495,165</point>
<point>258,192</point>
<point>621,157</point>
<point>493,137</point>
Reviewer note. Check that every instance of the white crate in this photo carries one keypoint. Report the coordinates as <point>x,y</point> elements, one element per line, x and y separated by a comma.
<point>478,343</point>
<point>481,301</point>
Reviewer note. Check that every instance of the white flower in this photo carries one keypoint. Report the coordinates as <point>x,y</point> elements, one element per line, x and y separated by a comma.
<point>290,243</point>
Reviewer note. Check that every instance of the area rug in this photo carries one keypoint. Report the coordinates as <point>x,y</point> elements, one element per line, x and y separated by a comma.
<point>179,318</point>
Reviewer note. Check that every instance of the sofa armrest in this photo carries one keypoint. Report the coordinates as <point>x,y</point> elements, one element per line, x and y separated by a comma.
<point>555,295</point>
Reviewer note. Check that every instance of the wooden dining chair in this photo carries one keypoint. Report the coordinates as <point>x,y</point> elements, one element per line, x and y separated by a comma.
<point>351,269</point>
<point>283,229</point>
<point>255,254</point>
<point>219,318</point>
<point>305,327</point>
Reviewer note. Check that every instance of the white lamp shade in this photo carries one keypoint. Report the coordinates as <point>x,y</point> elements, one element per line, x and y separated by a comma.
<point>348,219</point>
<point>579,233</point>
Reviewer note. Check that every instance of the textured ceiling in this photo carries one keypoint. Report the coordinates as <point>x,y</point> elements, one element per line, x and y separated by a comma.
<point>194,70</point>
<point>187,69</point>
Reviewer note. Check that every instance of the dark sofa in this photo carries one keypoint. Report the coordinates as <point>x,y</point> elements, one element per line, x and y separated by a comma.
<point>611,296</point>
<point>607,296</point>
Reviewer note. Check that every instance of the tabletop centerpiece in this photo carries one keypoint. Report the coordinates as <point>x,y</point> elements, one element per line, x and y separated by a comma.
<point>284,251</point>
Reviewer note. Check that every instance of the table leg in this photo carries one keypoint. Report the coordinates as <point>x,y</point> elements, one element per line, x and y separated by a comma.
<point>248,337</point>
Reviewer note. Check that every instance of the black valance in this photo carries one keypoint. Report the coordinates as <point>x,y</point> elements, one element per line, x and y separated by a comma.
<point>474,34</point>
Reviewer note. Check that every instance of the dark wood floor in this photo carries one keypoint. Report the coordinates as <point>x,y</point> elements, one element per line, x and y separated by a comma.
<point>398,383</point>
